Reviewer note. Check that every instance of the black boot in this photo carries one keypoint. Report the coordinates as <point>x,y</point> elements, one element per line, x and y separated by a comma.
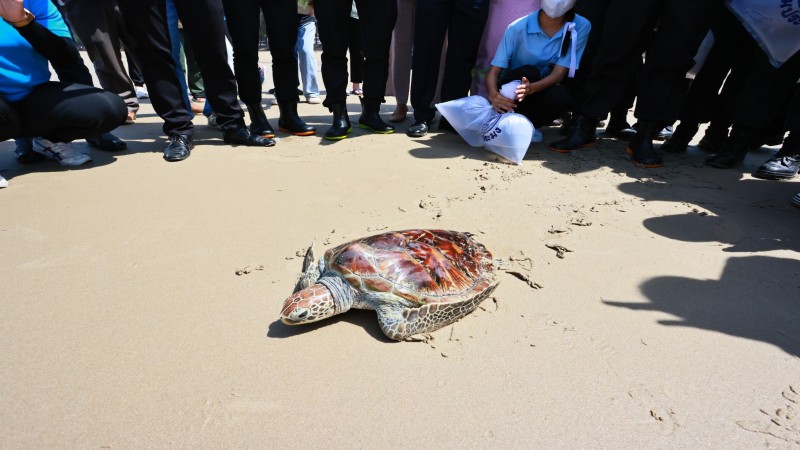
<point>734,149</point>
<point>290,122</point>
<point>371,120</point>
<point>582,135</point>
<point>641,146</point>
<point>341,123</point>
<point>785,164</point>
<point>259,124</point>
<point>679,141</point>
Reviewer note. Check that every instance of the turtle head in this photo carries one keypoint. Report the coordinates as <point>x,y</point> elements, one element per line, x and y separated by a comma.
<point>308,305</point>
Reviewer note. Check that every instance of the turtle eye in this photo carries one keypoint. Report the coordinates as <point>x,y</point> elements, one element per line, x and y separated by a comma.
<point>302,315</point>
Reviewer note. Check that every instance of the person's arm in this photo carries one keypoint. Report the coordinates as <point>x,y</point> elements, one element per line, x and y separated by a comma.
<point>527,88</point>
<point>61,51</point>
<point>499,102</point>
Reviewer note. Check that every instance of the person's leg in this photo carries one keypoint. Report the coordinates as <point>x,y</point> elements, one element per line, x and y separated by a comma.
<point>786,163</point>
<point>430,26</point>
<point>283,23</point>
<point>402,42</point>
<point>178,54</point>
<point>377,19</point>
<point>307,59</point>
<point>332,16</point>
<point>463,38</point>
<point>356,54</point>
<point>146,22</point>
<point>56,113</point>
<point>9,121</point>
<point>767,89</point>
<point>96,24</point>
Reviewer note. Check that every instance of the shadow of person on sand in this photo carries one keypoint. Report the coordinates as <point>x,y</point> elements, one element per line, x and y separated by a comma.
<point>362,318</point>
<point>757,298</point>
<point>749,215</point>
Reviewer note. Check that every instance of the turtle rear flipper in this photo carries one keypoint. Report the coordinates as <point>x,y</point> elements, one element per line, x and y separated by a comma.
<point>310,270</point>
<point>398,323</point>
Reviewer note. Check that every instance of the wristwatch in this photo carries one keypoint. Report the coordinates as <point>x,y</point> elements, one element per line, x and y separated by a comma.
<point>28,19</point>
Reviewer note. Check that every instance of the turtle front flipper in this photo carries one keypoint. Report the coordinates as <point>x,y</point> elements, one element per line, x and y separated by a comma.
<point>310,271</point>
<point>399,322</point>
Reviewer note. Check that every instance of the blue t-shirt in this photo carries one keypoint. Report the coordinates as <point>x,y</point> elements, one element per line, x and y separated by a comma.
<point>21,67</point>
<point>524,43</point>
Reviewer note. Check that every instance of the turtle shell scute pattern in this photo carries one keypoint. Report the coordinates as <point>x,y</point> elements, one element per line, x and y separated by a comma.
<point>421,266</point>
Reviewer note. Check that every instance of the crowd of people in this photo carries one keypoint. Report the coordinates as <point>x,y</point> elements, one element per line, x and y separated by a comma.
<point>581,64</point>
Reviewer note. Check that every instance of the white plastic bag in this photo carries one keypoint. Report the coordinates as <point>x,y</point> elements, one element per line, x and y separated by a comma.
<point>774,24</point>
<point>508,135</point>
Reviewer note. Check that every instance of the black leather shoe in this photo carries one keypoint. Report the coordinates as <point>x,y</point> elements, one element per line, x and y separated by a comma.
<point>243,136</point>
<point>107,142</point>
<point>290,122</point>
<point>341,123</point>
<point>582,135</point>
<point>620,130</point>
<point>418,129</point>
<point>679,142</point>
<point>779,168</point>
<point>179,148</point>
<point>24,152</point>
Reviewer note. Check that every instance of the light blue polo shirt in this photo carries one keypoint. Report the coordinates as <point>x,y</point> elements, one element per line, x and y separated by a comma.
<point>524,43</point>
<point>21,67</point>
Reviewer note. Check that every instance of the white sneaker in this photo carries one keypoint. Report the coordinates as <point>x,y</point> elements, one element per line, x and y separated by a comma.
<point>60,151</point>
<point>274,101</point>
<point>141,92</point>
<point>314,100</point>
<point>3,182</point>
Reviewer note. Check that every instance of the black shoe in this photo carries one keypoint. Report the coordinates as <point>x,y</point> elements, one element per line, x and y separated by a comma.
<point>259,124</point>
<point>243,136</point>
<point>444,125</point>
<point>664,133</point>
<point>24,152</point>
<point>679,142</point>
<point>779,168</point>
<point>179,148</point>
<point>107,142</point>
<point>582,135</point>
<point>418,129</point>
<point>290,122</point>
<point>641,146</point>
<point>620,130</point>
<point>371,120</point>
<point>341,123</point>
<point>734,149</point>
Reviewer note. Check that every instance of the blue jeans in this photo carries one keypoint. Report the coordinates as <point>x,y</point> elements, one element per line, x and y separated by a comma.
<point>175,38</point>
<point>306,58</point>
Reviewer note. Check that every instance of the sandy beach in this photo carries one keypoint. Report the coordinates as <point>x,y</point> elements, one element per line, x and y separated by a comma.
<point>636,308</point>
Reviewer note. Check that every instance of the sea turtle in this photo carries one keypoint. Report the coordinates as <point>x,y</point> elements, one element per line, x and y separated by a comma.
<point>416,280</point>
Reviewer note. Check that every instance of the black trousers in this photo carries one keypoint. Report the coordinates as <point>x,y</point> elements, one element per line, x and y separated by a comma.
<point>356,49</point>
<point>682,24</point>
<point>542,107</point>
<point>766,93</point>
<point>62,112</point>
<point>463,22</point>
<point>732,53</point>
<point>282,24</point>
<point>204,25</point>
<point>377,18</point>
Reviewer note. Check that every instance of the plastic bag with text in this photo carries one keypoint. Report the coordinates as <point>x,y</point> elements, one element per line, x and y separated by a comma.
<point>775,25</point>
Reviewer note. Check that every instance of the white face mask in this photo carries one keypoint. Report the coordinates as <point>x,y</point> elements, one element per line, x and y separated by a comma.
<point>557,8</point>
